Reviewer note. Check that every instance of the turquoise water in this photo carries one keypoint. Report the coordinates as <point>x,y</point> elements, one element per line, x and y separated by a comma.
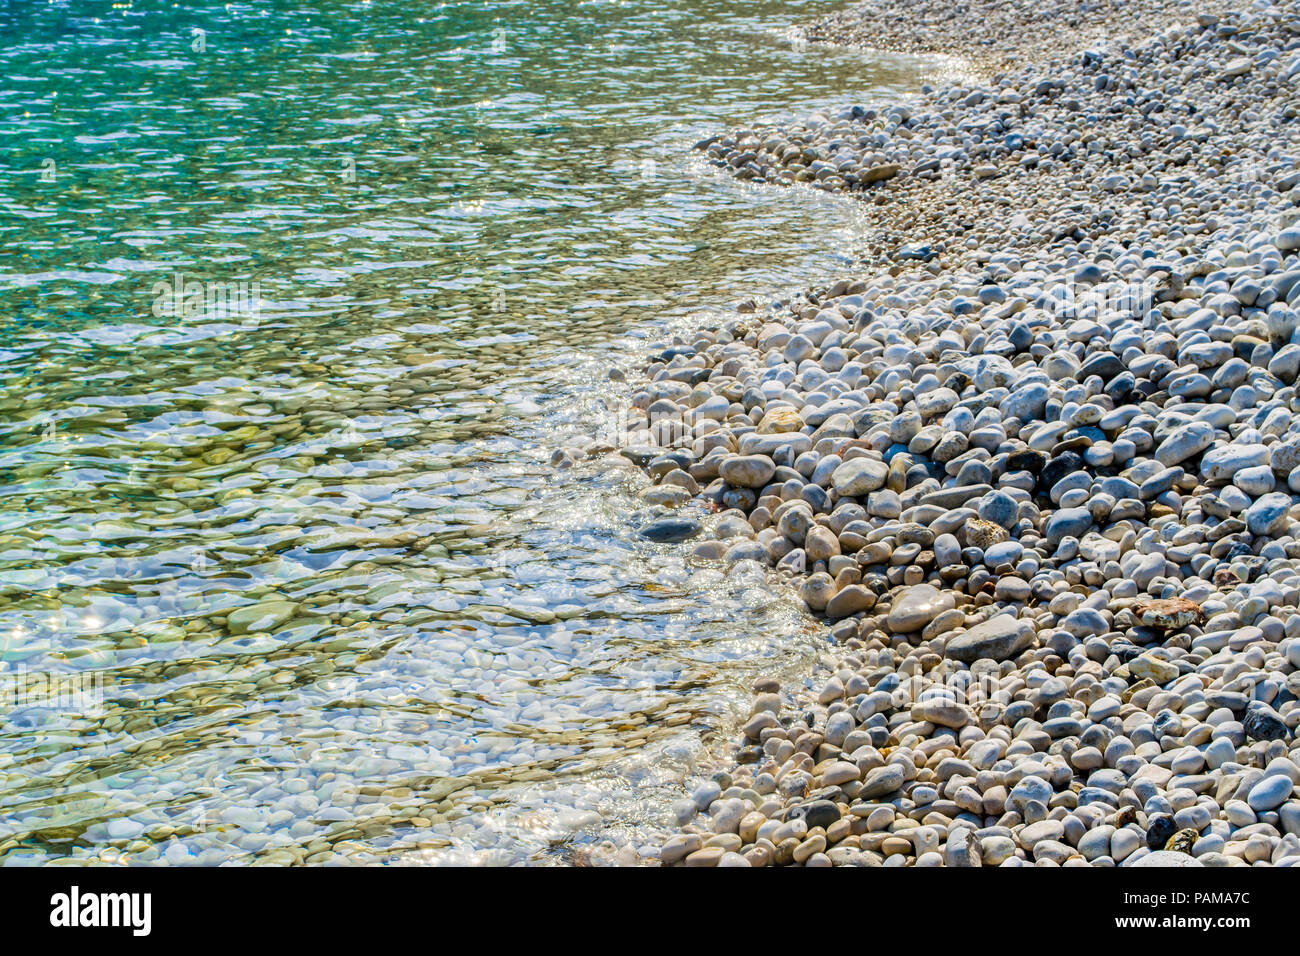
<point>296,299</point>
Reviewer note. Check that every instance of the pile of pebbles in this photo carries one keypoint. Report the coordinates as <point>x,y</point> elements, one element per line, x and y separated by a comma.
<point>1044,482</point>
<point>1159,140</point>
<point>999,34</point>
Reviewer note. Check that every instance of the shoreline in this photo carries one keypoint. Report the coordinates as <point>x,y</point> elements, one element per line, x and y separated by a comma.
<point>1037,464</point>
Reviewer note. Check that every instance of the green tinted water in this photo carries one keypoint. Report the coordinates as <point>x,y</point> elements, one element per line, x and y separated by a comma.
<point>295,299</point>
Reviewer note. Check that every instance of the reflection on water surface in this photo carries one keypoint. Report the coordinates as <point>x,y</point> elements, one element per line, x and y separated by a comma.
<point>289,547</point>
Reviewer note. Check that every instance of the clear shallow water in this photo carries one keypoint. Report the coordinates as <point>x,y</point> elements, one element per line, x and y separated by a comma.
<point>301,575</point>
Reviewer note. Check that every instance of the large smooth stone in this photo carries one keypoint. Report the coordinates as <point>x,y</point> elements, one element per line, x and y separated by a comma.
<point>943,713</point>
<point>1270,793</point>
<point>997,639</point>
<point>859,476</point>
<point>747,471</point>
<point>882,781</point>
<point>1067,522</point>
<point>853,599</point>
<point>1220,464</point>
<point>671,529</point>
<point>1268,514</point>
<point>917,606</point>
<point>1185,443</point>
<point>756,444</point>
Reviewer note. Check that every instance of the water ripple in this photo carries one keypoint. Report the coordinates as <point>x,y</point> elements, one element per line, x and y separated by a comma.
<point>296,299</point>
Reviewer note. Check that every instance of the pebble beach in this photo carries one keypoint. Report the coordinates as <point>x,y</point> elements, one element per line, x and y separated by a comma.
<point>1036,460</point>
